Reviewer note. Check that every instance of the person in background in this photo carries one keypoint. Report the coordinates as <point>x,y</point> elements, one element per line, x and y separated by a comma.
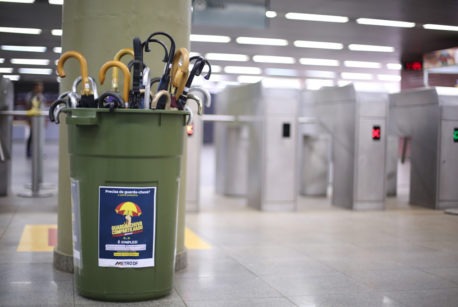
<point>34,99</point>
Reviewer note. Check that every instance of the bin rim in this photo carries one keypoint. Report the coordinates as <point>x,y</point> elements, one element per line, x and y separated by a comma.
<point>120,110</point>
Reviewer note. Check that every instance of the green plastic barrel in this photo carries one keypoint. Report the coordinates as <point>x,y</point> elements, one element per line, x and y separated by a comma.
<point>125,175</point>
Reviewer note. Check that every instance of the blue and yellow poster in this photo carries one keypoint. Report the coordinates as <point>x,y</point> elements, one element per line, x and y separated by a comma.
<point>127,226</point>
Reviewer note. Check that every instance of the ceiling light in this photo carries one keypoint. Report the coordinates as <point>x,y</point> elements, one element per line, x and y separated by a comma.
<point>30,61</point>
<point>56,32</point>
<point>242,70</point>
<point>12,77</point>
<point>271,14</point>
<point>284,83</point>
<point>320,74</point>
<point>355,76</point>
<point>18,1</point>
<point>385,23</point>
<point>394,66</point>
<point>6,70</point>
<point>56,2</point>
<point>57,49</point>
<point>362,64</point>
<point>249,79</point>
<point>227,57</point>
<point>209,38</point>
<point>23,48</point>
<point>357,47</point>
<point>318,45</point>
<point>319,62</point>
<point>440,27</point>
<point>2,60</point>
<point>215,69</point>
<point>273,59</point>
<point>396,78</point>
<point>315,17</point>
<point>261,41</point>
<point>34,31</point>
<point>316,84</point>
<point>35,71</point>
<point>281,72</point>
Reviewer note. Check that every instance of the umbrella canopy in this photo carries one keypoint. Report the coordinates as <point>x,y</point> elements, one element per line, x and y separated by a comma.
<point>128,208</point>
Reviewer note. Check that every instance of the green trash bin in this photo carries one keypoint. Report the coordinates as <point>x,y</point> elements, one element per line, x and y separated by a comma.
<point>125,174</point>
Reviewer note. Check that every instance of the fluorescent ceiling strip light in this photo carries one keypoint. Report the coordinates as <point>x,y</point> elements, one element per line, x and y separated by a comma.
<point>219,78</point>
<point>15,30</point>
<point>290,83</point>
<point>320,74</point>
<point>362,64</point>
<point>271,14</point>
<point>273,59</point>
<point>6,70</point>
<point>12,77</point>
<point>385,23</point>
<point>209,38</point>
<point>318,45</point>
<point>57,49</point>
<point>374,87</point>
<point>431,26</point>
<point>316,84</point>
<point>394,78</point>
<point>35,71</point>
<point>394,66</point>
<point>281,72</point>
<point>30,61</point>
<point>215,69</point>
<point>355,76</point>
<point>249,79</point>
<point>373,48</point>
<point>261,41</point>
<point>242,70</point>
<point>316,17</point>
<point>23,48</point>
<point>227,57</point>
<point>56,32</point>
<point>56,2</point>
<point>18,1</point>
<point>318,62</point>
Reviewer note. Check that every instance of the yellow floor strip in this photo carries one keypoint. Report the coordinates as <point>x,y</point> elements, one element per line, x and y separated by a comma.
<point>192,241</point>
<point>36,238</point>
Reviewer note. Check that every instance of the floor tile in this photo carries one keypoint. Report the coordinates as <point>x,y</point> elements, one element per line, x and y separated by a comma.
<point>402,279</point>
<point>350,299</point>
<point>427,298</point>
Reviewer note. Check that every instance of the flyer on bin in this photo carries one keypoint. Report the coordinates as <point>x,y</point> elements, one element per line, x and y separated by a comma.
<point>127,226</point>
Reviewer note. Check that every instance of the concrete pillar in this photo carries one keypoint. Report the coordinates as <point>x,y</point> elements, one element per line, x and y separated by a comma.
<point>98,29</point>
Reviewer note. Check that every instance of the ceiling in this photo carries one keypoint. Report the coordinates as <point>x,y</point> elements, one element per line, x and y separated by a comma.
<point>409,44</point>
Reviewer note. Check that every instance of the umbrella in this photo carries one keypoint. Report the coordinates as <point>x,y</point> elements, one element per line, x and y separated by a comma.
<point>128,208</point>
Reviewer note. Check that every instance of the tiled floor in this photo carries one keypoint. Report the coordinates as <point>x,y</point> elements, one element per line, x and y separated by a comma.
<point>318,256</point>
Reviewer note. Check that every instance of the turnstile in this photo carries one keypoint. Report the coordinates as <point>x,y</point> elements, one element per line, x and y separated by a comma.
<point>357,124</point>
<point>430,119</point>
<point>6,124</point>
<point>232,138</point>
<point>314,151</point>
<point>272,175</point>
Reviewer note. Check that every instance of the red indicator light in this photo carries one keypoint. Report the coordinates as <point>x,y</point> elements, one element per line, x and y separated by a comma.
<point>376,133</point>
<point>413,66</point>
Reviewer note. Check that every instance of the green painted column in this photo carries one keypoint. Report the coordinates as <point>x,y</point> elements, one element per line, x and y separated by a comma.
<point>98,29</point>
